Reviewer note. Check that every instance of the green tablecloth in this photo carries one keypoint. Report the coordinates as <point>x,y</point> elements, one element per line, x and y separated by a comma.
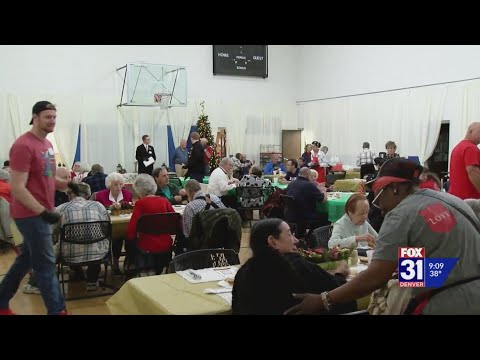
<point>280,186</point>
<point>335,208</point>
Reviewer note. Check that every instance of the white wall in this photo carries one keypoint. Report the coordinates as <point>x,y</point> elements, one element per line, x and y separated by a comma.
<point>332,71</point>
<point>336,70</point>
<point>86,74</point>
<point>90,70</point>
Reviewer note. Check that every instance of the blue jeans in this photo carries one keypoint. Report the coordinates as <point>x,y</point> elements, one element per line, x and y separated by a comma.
<point>37,253</point>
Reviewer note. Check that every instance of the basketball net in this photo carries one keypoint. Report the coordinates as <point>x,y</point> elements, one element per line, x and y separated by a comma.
<point>163,100</point>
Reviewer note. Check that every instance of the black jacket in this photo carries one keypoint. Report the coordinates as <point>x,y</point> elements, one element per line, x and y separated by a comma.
<point>195,163</point>
<point>306,195</point>
<point>142,155</point>
<point>265,283</point>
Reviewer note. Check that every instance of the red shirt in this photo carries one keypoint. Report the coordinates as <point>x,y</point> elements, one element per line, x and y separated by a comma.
<point>150,205</point>
<point>207,154</point>
<point>36,157</point>
<point>429,184</point>
<point>464,154</point>
<point>5,190</point>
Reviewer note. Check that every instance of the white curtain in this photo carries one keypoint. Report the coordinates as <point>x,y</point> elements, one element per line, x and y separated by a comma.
<point>411,118</point>
<point>136,122</point>
<point>70,110</point>
<point>181,120</point>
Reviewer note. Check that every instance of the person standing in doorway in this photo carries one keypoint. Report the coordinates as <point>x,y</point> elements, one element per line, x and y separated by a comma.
<point>34,181</point>
<point>180,158</point>
<point>464,165</point>
<point>145,152</point>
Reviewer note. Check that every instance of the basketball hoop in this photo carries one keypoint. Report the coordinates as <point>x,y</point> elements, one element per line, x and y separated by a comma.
<point>163,100</point>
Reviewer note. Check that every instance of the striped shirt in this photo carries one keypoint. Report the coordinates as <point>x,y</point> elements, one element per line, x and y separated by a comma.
<point>366,156</point>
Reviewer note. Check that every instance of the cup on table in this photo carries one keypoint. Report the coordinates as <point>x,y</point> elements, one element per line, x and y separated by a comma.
<point>275,180</point>
<point>369,256</point>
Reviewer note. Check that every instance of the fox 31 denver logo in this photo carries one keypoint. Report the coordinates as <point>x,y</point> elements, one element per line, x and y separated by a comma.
<point>411,267</point>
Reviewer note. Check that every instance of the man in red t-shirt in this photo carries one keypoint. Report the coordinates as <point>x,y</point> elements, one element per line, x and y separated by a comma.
<point>464,165</point>
<point>33,180</point>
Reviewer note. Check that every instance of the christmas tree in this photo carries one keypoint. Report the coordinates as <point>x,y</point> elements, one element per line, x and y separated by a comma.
<point>205,131</point>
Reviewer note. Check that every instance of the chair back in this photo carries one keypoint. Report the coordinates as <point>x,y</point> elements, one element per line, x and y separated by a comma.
<point>334,176</point>
<point>322,235</point>
<point>205,258</point>
<point>87,232</point>
<point>157,224</point>
<point>288,201</point>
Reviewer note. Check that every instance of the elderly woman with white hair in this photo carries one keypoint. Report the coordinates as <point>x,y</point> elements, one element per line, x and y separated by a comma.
<point>155,250</point>
<point>114,194</point>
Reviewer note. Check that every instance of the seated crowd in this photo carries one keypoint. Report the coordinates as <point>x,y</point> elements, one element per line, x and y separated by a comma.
<point>266,282</point>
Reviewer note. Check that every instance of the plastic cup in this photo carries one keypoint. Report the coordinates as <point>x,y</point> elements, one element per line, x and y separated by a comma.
<point>275,180</point>
<point>369,255</point>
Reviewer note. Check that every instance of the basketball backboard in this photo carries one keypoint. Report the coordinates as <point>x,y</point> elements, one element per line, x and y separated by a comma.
<point>153,85</point>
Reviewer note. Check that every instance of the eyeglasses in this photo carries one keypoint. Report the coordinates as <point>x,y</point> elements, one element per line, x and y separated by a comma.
<point>376,198</point>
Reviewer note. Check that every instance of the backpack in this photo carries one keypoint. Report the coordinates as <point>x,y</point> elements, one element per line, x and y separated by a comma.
<point>215,228</point>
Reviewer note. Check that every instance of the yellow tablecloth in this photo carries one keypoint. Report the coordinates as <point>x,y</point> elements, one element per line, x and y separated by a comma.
<point>350,174</point>
<point>352,185</point>
<point>171,294</point>
<point>168,294</point>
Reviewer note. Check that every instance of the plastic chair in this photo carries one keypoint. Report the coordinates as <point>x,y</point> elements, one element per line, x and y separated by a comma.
<point>205,258</point>
<point>322,235</point>
<point>156,224</point>
<point>298,227</point>
<point>334,176</point>
<point>85,233</point>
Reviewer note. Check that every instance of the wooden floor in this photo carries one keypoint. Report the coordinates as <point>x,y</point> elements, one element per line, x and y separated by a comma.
<point>30,304</point>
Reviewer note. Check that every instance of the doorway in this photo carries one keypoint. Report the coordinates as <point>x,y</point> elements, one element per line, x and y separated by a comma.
<point>291,144</point>
<point>438,162</point>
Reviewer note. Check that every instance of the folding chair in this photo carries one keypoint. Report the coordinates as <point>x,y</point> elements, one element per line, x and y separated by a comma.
<point>205,258</point>
<point>156,224</point>
<point>84,234</point>
<point>289,202</point>
<point>322,235</point>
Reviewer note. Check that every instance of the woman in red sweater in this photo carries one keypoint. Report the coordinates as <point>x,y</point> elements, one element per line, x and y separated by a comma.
<point>155,251</point>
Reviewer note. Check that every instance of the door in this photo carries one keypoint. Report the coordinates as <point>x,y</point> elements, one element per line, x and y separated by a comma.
<point>291,144</point>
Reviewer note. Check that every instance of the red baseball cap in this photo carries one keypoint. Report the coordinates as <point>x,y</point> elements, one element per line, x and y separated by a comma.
<point>396,170</point>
